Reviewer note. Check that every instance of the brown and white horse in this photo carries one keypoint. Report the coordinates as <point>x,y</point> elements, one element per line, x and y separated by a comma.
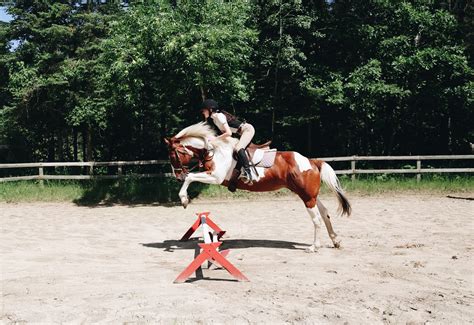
<point>290,170</point>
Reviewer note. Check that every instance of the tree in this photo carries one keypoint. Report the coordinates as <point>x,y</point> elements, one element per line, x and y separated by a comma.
<point>382,107</point>
<point>45,83</point>
<point>103,82</point>
<point>286,37</point>
<point>164,59</point>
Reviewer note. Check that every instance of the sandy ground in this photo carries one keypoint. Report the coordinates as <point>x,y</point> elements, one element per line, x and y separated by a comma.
<point>405,259</point>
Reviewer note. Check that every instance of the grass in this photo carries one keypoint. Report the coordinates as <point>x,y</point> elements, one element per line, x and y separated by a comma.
<point>433,183</point>
<point>132,191</point>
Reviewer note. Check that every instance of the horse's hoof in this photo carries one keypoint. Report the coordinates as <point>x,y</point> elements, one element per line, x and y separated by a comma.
<point>311,249</point>
<point>337,244</point>
<point>185,202</point>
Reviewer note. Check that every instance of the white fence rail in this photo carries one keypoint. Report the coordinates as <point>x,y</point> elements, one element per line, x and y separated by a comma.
<point>417,169</point>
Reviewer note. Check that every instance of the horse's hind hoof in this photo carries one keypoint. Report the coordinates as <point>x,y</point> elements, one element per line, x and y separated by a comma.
<point>337,244</point>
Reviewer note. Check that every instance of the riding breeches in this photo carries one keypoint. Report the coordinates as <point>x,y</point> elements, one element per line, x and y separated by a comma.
<point>247,132</point>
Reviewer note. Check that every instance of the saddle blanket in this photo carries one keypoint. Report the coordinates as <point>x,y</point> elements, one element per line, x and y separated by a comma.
<point>264,157</point>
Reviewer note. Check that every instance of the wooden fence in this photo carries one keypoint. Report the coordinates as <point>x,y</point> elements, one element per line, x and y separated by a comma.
<point>415,169</point>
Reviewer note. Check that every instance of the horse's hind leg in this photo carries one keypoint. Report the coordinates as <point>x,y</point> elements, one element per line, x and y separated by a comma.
<point>324,213</point>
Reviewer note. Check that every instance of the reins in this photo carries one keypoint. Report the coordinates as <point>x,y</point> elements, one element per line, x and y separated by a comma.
<point>202,156</point>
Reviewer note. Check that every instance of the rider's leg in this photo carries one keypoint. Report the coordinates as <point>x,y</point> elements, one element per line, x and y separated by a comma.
<point>246,136</point>
<point>244,160</point>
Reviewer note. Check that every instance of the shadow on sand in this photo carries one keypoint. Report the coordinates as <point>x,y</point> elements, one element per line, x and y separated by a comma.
<point>191,244</point>
<point>134,191</point>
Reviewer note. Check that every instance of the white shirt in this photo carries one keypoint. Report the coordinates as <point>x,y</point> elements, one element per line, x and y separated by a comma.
<point>220,121</point>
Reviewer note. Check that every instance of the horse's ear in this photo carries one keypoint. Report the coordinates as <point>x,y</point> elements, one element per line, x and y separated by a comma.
<point>167,141</point>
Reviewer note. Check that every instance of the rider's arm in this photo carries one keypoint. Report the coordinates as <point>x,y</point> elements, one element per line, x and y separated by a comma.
<point>223,121</point>
<point>227,132</point>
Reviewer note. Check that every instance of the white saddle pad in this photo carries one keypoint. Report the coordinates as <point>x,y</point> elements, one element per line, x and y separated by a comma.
<point>260,154</point>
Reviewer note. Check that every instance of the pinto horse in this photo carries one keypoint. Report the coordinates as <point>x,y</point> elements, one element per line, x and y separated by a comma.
<point>290,170</point>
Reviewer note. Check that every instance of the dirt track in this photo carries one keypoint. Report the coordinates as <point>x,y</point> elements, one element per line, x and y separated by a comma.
<point>404,259</point>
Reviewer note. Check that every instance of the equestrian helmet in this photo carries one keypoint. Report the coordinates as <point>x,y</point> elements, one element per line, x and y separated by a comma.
<point>210,104</point>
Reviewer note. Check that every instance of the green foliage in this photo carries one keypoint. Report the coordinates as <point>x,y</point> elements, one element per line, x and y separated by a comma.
<point>400,83</point>
<point>161,60</point>
<point>99,82</point>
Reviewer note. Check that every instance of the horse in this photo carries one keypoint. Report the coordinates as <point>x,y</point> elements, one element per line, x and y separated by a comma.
<point>290,170</point>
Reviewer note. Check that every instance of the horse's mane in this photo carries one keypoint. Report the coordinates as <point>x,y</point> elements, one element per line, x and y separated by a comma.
<point>199,130</point>
<point>203,130</point>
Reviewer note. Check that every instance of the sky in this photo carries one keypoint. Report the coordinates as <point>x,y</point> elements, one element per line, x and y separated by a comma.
<point>3,15</point>
<point>6,17</point>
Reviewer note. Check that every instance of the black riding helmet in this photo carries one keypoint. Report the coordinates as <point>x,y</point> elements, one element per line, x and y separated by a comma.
<point>211,104</point>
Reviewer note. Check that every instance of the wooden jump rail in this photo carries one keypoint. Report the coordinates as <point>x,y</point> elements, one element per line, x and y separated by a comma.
<point>119,164</point>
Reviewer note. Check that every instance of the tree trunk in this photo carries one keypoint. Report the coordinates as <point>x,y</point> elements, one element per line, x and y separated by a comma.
<point>450,138</point>
<point>74,143</point>
<point>89,144</point>
<point>61,146</point>
<point>309,138</point>
<point>84,144</point>
<point>51,151</point>
<point>67,146</point>
<point>164,131</point>
<point>275,89</point>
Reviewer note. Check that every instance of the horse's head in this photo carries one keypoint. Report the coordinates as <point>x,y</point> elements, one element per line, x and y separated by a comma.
<point>192,142</point>
<point>179,156</point>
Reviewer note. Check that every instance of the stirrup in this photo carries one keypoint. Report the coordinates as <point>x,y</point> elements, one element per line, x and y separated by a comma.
<point>247,178</point>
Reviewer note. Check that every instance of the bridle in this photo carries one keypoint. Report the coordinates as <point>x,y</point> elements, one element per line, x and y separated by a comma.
<point>182,167</point>
<point>201,154</point>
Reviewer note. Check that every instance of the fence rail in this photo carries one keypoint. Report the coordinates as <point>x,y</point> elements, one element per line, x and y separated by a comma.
<point>418,170</point>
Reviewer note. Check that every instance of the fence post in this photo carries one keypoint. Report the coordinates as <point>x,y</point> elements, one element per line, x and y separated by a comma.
<point>91,169</point>
<point>119,170</point>
<point>40,176</point>
<point>418,168</point>
<point>353,168</point>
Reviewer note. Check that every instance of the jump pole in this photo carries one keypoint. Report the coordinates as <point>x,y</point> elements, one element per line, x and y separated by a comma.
<point>198,223</point>
<point>209,249</point>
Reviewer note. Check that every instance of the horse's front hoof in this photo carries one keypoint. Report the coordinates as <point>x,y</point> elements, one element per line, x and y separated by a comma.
<point>185,202</point>
<point>312,249</point>
<point>337,244</point>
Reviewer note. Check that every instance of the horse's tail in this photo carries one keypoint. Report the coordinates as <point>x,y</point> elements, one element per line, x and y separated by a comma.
<point>328,176</point>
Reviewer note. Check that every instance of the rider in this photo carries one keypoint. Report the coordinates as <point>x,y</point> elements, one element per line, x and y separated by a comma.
<point>228,124</point>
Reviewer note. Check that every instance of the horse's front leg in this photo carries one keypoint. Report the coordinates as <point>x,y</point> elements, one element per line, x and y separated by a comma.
<point>198,177</point>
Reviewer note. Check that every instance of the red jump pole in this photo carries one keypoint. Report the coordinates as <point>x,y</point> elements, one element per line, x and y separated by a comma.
<point>210,253</point>
<point>198,222</point>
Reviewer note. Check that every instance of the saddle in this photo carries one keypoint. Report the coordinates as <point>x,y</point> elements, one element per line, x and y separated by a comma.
<point>260,155</point>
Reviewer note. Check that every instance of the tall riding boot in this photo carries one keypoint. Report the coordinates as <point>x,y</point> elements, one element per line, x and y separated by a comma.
<point>244,160</point>
<point>234,178</point>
